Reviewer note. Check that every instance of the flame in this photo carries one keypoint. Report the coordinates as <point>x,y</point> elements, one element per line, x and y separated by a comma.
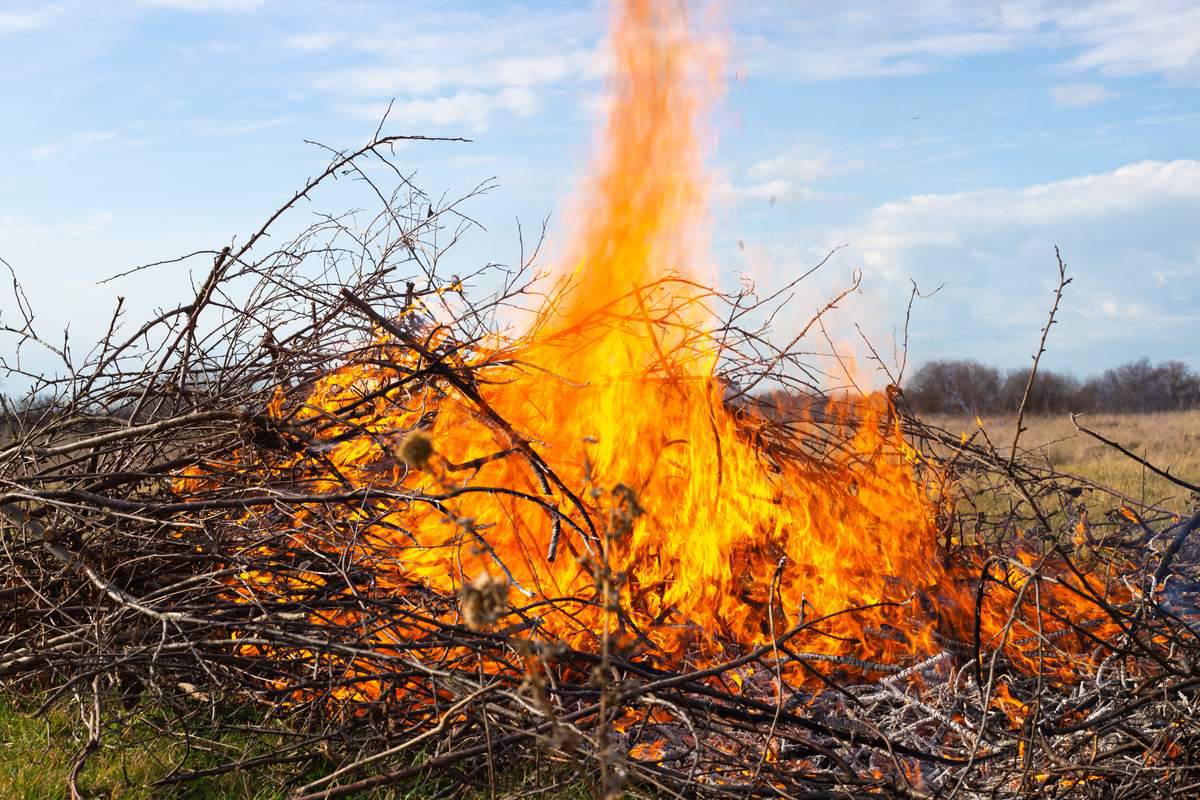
<point>702,538</point>
<point>614,389</point>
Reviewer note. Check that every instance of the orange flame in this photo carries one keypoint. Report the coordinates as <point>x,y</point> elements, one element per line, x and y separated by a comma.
<point>612,389</point>
<point>615,387</point>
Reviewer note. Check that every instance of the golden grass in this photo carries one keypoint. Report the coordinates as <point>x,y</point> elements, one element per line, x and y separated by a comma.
<point>1170,440</point>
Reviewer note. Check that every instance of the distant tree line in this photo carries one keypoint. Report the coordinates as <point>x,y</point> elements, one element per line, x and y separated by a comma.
<point>968,387</point>
<point>965,386</point>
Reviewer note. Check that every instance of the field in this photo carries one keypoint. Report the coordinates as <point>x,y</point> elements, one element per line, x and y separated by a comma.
<point>36,755</point>
<point>1170,441</point>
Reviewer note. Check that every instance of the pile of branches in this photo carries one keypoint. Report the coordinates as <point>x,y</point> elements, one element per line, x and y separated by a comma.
<point>117,576</point>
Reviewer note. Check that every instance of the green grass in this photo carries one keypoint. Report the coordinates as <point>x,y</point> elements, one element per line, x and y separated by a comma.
<point>36,754</point>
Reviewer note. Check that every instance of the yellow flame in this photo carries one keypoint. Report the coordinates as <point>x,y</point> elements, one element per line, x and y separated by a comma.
<point>612,388</point>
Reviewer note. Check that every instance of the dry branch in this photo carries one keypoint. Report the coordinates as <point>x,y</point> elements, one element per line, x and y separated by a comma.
<point>175,535</point>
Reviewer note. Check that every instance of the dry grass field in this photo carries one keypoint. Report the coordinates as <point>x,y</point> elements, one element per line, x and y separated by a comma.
<point>1170,441</point>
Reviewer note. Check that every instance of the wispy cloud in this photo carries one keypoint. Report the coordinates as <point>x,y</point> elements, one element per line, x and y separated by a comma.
<point>23,21</point>
<point>449,95</point>
<point>881,39</point>
<point>238,128</point>
<point>786,177</point>
<point>312,42</point>
<point>992,247</point>
<point>1080,95</point>
<point>427,79</point>
<point>801,165</point>
<point>771,190</point>
<point>1127,37</point>
<point>89,225</point>
<point>79,141</point>
<point>471,108</point>
<point>18,228</point>
<point>876,39</point>
<point>446,67</point>
<point>237,6</point>
<point>949,218</point>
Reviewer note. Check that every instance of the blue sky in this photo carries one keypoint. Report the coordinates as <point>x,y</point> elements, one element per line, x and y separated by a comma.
<point>951,142</point>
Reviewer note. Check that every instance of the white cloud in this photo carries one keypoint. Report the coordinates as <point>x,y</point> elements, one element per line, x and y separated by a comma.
<point>785,177</point>
<point>857,52</point>
<point>88,226</point>
<point>1080,95</point>
<point>432,78</point>
<point>79,141</point>
<point>1162,277</point>
<point>593,105</point>
<point>772,191</point>
<point>1124,234</point>
<point>238,6</point>
<point>21,22</point>
<point>878,39</point>
<point>950,219</point>
<point>518,100</point>
<point>238,128</point>
<point>797,165</point>
<point>869,40</point>
<point>472,109</point>
<point>435,62</point>
<point>14,227</point>
<point>1126,311</point>
<point>18,229</point>
<point>312,42</point>
<point>473,161</point>
<point>1126,37</point>
<point>482,90</point>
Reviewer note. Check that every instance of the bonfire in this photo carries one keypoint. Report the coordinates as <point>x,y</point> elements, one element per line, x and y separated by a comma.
<point>421,527</point>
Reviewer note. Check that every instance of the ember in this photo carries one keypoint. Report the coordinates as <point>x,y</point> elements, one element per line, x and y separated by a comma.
<point>369,511</point>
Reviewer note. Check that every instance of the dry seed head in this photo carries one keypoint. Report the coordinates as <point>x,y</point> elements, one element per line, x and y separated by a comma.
<point>483,601</point>
<point>416,449</point>
<point>625,510</point>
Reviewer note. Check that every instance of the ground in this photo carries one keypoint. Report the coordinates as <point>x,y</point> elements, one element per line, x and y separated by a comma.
<point>36,754</point>
<point>1170,441</point>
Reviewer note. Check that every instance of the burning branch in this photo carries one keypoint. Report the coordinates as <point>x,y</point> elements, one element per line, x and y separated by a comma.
<point>277,510</point>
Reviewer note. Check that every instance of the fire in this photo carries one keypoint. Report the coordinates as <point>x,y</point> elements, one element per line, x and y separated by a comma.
<point>613,388</point>
<point>593,465</point>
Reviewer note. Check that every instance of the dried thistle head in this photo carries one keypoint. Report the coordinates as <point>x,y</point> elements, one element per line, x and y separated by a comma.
<point>625,509</point>
<point>415,450</point>
<point>483,601</point>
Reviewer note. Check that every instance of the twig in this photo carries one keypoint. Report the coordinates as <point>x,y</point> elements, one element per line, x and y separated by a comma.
<point>1063,280</point>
